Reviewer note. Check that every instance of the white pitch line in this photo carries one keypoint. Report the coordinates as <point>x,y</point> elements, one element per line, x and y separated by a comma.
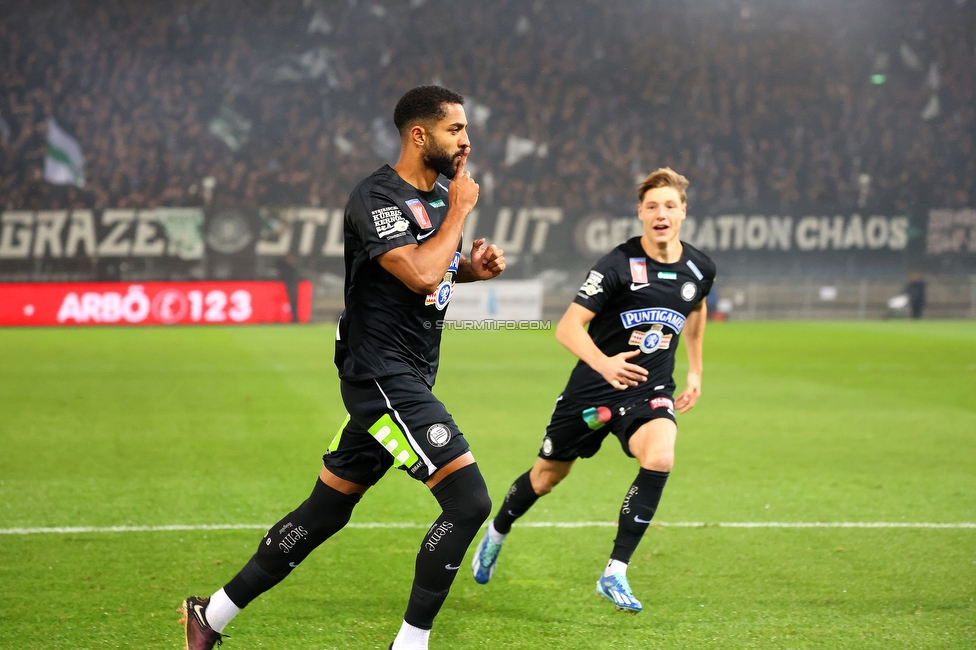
<point>536,524</point>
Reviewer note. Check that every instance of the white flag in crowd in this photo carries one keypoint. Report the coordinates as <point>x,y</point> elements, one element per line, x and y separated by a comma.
<point>517,148</point>
<point>231,127</point>
<point>64,163</point>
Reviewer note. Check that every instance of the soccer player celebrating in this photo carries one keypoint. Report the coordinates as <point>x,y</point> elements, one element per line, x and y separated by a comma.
<point>402,256</point>
<point>637,300</point>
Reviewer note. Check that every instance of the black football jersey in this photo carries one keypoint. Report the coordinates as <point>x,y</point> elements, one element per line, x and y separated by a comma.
<point>387,329</point>
<point>640,304</point>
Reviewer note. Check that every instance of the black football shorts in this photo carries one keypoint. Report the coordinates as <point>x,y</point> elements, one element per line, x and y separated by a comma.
<point>577,428</point>
<point>392,421</point>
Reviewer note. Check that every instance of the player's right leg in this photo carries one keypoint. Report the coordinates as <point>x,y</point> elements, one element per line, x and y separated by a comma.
<point>325,512</point>
<point>653,446</point>
<point>569,435</point>
<point>524,492</point>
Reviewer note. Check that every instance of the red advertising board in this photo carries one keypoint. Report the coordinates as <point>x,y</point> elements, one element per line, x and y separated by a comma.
<point>151,303</point>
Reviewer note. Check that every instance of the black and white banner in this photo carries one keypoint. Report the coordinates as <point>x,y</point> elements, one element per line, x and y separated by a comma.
<point>235,243</point>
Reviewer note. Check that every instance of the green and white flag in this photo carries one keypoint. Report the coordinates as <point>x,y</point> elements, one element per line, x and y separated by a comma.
<point>64,163</point>
<point>231,127</point>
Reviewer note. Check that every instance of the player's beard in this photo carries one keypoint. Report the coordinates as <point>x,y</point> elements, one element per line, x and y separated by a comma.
<point>440,160</point>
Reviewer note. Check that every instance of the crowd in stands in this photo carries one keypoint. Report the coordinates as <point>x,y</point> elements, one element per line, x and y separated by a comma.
<point>768,106</point>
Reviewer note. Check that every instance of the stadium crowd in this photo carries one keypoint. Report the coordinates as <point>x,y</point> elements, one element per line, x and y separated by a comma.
<point>769,106</point>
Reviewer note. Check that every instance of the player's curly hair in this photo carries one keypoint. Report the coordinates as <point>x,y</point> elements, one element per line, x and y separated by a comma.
<point>423,104</point>
<point>664,177</point>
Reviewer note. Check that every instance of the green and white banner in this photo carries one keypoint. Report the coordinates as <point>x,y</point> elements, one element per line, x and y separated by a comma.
<point>64,163</point>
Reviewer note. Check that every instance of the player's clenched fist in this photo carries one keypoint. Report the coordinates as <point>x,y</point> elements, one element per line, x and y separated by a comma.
<point>487,262</point>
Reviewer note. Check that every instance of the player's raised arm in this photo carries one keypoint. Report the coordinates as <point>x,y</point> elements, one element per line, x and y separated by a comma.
<point>617,370</point>
<point>421,268</point>
<point>485,263</point>
<point>694,336</point>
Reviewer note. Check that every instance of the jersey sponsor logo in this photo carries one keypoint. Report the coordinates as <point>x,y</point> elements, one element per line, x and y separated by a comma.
<point>651,340</point>
<point>688,291</point>
<point>425,235</point>
<point>442,295</point>
<point>437,203</point>
<point>419,212</point>
<point>592,286</point>
<point>662,403</point>
<point>389,222</point>
<point>653,316</point>
<point>667,275</point>
<point>438,435</point>
<point>638,270</point>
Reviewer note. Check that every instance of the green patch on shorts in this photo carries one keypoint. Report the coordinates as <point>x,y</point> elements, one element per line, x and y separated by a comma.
<point>388,434</point>
<point>338,436</point>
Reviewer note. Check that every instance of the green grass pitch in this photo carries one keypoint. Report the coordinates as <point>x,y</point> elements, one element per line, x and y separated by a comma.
<point>799,422</point>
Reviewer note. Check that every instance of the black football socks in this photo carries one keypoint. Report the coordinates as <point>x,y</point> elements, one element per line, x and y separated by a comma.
<point>637,511</point>
<point>517,502</point>
<point>290,541</point>
<point>463,497</point>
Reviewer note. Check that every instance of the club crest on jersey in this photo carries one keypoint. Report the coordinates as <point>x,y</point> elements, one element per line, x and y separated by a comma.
<point>592,286</point>
<point>442,295</point>
<point>653,316</point>
<point>438,435</point>
<point>651,340</point>
<point>688,291</point>
<point>638,270</point>
<point>419,212</point>
<point>546,446</point>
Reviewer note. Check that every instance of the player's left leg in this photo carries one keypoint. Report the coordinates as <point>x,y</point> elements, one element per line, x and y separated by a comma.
<point>463,496</point>
<point>325,512</point>
<point>653,446</point>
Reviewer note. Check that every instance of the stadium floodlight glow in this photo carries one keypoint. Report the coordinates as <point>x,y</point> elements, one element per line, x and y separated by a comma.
<point>878,79</point>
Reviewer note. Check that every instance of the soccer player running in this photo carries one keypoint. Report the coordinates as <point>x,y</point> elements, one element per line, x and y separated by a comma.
<point>637,300</point>
<point>402,256</point>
